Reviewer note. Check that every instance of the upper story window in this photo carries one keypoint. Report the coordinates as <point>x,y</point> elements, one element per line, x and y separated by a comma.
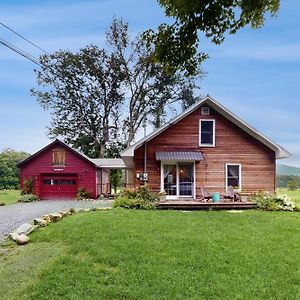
<point>58,157</point>
<point>207,133</point>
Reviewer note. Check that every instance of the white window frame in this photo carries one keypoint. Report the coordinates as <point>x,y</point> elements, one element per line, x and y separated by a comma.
<point>240,175</point>
<point>214,132</point>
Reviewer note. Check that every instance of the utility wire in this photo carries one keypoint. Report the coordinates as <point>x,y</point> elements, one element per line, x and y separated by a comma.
<point>24,38</point>
<point>19,51</point>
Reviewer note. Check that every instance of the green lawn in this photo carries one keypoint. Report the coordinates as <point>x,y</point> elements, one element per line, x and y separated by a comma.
<point>9,196</point>
<point>131,254</point>
<point>293,195</point>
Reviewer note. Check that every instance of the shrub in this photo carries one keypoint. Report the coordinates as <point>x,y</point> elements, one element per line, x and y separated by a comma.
<point>28,198</point>
<point>2,203</point>
<point>28,187</point>
<point>82,194</point>
<point>271,202</point>
<point>141,198</point>
<point>297,208</point>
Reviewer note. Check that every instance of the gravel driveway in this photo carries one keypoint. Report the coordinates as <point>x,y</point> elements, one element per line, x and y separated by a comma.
<point>14,215</point>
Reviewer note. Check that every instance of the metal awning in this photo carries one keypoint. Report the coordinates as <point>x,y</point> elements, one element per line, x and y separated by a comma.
<point>179,156</point>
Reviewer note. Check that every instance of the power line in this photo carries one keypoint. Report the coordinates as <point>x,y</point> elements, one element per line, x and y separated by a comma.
<point>19,51</point>
<point>24,38</point>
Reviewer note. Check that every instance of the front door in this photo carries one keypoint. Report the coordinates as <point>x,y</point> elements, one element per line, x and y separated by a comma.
<point>178,179</point>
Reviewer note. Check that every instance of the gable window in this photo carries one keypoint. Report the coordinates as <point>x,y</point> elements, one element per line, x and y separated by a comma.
<point>58,157</point>
<point>207,133</point>
<point>233,176</point>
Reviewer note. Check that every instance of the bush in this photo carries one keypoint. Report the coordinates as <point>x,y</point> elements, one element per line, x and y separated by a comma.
<point>141,198</point>
<point>271,202</point>
<point>2,203</point>
<point>28,198</point>
<point>82,194</point>
<point>28,187</point>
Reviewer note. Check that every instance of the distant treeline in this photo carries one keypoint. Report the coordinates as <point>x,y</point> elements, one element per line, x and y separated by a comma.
<point>282,180</point>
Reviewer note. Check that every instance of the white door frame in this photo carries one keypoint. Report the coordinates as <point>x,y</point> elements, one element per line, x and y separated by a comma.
<point>176,163</point>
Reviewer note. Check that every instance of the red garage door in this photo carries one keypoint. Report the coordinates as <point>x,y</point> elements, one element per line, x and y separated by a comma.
<point>58,186</point>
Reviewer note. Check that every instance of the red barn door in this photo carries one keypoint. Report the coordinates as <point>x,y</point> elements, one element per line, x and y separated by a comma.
<point>58,186</point>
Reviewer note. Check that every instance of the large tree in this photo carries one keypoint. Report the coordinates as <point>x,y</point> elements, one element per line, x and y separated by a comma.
<point>99,98</point>
<point>150,91</point>
<point>83,92</point>
<point>9,172</point>
<point>177,43</point>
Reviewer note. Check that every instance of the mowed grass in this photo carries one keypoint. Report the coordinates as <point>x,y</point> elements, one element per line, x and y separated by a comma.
<point>9,196</point>
<point>293,195</point>
<point>131,254</point>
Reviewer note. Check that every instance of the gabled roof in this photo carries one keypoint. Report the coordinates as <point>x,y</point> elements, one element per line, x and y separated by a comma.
<point>57,141</point>
<point>280,152</point>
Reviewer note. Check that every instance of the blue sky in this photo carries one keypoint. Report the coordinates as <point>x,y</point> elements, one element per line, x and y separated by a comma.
<point>255,73</point>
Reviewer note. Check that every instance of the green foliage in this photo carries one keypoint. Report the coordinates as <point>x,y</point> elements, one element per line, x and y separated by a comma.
<point>2,203</point>
<point>141,198</point>
<point>176,44</point>
<point>282,180</point>
<point>9,172</point>
<point>297,208</point>
<point>28,187</point>
<point>292,185</point>
<point>26,198</point>
<point>83,194</point>
<point>115,178</point>
<point>271,202</point>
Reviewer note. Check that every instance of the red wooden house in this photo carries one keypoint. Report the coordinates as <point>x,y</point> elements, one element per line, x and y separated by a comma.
<point>206,145</point>
<point>58,171</point>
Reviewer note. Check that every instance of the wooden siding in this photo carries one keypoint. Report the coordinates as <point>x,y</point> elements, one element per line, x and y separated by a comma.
<point>233,145</point>
<point>41,164</point>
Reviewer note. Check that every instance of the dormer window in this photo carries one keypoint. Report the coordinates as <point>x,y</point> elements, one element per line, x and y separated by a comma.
<point>59,157</point>
<point>207,133</point>
<point>205,111</point>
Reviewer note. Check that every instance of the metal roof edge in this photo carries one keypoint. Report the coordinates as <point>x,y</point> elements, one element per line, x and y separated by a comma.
<point>279,151</point>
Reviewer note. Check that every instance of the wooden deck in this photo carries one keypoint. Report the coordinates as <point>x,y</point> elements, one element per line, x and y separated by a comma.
<point>201,205</point>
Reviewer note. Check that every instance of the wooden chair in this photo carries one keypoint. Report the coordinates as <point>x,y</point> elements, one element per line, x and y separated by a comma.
<point>231,194</point>
<point>206,196</point>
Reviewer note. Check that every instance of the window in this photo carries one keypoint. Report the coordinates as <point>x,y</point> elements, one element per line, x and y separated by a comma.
<point>233,176</point>
<point>58,157</point>
<point>207,133</point>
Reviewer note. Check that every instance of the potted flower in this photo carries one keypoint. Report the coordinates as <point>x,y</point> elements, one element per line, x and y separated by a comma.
<point>162,196</point>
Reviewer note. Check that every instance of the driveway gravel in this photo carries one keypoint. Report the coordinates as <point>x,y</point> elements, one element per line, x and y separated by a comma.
<point>14,215</point>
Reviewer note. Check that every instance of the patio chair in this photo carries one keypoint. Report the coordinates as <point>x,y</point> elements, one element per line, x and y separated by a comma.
<point>206,196</point>
<point>231,194</point>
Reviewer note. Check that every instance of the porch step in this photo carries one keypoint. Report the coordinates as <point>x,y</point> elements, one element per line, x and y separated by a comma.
<point>196,205</point>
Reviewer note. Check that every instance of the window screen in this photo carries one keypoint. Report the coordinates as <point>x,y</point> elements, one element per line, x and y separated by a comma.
<point>233,176</point>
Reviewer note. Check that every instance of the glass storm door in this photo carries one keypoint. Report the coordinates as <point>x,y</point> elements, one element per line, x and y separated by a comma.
<point>186,179</point>
<point>178,180</point>
<point>170,180</point>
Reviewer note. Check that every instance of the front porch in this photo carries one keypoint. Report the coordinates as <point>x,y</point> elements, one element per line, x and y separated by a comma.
<point>192,204</point>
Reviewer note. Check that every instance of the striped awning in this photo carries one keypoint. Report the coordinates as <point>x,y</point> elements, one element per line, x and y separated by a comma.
<point>178,156</point>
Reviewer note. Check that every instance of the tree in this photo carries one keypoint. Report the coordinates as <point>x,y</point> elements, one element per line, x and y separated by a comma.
<point>176,44</point>
<point>92,92</point>
<point>292,185</point>
<point>9,172</point>
<point>150,90</point>
<point>83,92</point>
